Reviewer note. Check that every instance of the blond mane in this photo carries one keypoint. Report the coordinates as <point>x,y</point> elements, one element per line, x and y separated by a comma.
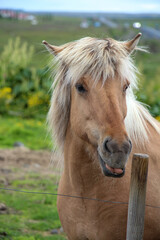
<point>101,59</point>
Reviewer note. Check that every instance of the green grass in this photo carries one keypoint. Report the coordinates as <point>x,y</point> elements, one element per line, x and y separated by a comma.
<point>30,216</point>
<point>31,132</point>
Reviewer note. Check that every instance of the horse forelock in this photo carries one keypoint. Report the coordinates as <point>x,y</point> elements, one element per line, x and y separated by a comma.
<point>101,59</point>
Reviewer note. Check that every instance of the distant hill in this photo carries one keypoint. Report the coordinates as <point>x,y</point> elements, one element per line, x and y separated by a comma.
<point>102,14</point>
<point>94,14</point>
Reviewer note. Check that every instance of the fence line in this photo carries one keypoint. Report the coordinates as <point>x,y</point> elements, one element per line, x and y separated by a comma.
<point>70,196</point>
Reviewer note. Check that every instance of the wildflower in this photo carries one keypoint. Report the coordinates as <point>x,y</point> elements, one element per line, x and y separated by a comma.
<point>158,118</point>
<point>5,93</point>
<point>35,99</point>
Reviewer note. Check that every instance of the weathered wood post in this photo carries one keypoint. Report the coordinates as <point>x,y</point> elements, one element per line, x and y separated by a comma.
<point>137,197</point>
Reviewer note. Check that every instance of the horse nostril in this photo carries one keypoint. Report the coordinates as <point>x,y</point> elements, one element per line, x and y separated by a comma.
<point>130,142</point>
<point>127,146</point>
<point>106,144</point>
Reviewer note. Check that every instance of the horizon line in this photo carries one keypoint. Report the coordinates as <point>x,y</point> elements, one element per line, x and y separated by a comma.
<point>77,11</point>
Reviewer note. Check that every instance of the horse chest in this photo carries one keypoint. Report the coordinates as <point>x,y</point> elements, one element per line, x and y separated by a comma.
<point>89,220</point>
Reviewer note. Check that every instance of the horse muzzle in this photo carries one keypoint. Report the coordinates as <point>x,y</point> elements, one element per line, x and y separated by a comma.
<point>113,157</point>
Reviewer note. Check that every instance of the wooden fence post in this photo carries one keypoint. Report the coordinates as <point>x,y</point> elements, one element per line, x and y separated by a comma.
<point>137,197</point>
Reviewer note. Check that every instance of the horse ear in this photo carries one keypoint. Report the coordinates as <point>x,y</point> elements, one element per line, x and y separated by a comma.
<point>52,49</point>
<point>130,45</point>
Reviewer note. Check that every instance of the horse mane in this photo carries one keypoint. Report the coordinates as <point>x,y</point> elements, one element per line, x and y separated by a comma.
<point>101,59</point>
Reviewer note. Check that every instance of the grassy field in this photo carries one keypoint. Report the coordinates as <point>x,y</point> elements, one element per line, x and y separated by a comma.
<point>29,216</point>
<point>31,132</point>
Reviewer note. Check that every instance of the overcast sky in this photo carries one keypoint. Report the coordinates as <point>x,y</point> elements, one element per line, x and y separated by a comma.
<point>132,6</point>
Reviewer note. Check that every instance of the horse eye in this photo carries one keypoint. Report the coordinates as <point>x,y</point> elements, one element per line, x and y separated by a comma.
<point>125,87</point>
<point>80,88</point>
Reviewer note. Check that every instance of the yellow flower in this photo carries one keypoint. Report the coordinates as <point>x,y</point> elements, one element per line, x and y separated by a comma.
<point>19,124</point>
<point>35,100</point>
<point>158,118</point>
<point>39,123</point>
<point>6,93</point>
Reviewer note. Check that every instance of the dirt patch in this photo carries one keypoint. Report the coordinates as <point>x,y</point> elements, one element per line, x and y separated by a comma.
<point>20,160</point>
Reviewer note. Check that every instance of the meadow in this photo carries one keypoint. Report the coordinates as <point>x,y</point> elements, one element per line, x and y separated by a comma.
<point>30,216</point>
<point>25,81</point>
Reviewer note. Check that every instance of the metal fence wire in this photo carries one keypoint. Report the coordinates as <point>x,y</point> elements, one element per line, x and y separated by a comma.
<point>70,196</point>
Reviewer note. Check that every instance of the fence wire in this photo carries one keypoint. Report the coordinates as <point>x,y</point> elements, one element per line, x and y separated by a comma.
<point>70,196</point>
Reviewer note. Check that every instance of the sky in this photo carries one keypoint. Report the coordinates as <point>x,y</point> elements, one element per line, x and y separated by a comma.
<point>125,6</point>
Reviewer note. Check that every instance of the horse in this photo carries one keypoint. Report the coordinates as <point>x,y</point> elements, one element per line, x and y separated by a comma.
<point>98,124</point>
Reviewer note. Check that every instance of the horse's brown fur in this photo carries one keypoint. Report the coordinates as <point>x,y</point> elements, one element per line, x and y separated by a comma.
<point>90,117</point>
<point>84,219</point>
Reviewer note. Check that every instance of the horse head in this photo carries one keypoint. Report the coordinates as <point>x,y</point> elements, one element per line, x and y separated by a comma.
<point>94,81</point>
<point>97,116</point>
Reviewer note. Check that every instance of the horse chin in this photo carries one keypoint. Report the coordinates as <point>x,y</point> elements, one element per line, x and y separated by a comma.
<point>107,172</point>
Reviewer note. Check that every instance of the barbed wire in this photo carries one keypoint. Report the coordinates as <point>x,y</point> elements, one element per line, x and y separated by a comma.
<point>71,196</point>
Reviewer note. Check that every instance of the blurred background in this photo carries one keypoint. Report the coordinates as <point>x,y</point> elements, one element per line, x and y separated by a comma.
<point>25,81</point>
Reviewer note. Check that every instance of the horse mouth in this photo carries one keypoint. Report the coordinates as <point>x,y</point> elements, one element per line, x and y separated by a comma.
<point>109,171</point>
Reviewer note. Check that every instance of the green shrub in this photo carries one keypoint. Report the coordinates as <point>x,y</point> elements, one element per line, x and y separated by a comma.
<point>23,89</point>
<point>16,55</point>
<point>149,92</point>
